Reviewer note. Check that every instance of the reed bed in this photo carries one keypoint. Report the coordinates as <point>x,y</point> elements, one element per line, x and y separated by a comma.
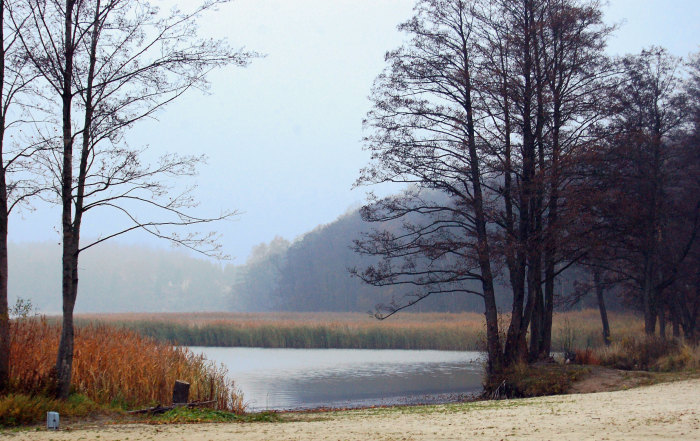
<point>583,329</point>
<point>651,354</point>
<point>439,331</point>
<point>115,366</point>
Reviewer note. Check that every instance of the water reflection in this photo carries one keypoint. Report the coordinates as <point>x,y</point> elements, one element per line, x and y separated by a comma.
<point>309,378</point>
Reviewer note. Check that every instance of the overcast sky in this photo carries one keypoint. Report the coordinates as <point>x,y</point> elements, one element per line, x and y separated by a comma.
<point>283,136</point>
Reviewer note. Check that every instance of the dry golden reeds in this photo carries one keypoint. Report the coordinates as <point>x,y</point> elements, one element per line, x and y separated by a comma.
<point>446,331</point>
<point>651,353</point>
<point>116,366</point>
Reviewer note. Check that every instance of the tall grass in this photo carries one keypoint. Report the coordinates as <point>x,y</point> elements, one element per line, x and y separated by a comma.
<point>441,331</point>
<point>583,329</point>
<point>651,354</point>
<point>115,366</point>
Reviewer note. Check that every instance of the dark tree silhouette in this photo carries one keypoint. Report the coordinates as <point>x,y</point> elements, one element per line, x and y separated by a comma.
<point>424,134</point>
<point>544,71</point>
<point>490,104</point>
<point>642,185</point>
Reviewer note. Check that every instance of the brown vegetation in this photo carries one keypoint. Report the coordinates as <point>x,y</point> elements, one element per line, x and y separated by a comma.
<point>445,331</point>
<point>533,380</point>
<point>651,354</point>
<point>115,366</point>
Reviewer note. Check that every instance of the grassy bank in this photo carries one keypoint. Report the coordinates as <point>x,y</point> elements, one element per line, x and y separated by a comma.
<point>113,369</point>
<point>441,331</point>
<point>648,354</point>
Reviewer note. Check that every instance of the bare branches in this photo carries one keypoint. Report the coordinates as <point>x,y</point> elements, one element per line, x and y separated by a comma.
<point>642,183</point>
<point>485,112</point>
<point>128,60</point>
<point>105,65</point>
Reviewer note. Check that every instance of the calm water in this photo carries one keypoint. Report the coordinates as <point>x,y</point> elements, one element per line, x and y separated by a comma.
<point>309,378</point>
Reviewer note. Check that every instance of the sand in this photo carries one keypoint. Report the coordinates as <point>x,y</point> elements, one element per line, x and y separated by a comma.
<point>664,411</point>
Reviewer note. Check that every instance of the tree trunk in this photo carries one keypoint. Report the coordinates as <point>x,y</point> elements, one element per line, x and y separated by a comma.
<point>513,254</point>
<point>551,242</point>
<point>516,344</point>
<point>648,300</point>
<point>4,307</point>
<point>4,310</point>
<point>490,310</point>
<point>493,344</point>
<point>69,275</point>
<point>537,336</point>
<point>64,361</point>
<point>514,351</point>
<point>675,325</point>
<point>599,291</point>
<point>546,348</point>
<point>536,324</point>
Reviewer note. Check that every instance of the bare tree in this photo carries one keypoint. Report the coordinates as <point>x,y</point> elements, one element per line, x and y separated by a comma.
<point>424,134</point>
<point>684,301</point>
<point>108,64</point>
<point>16,186</point>
<point>543,74</point>
<point>643,187</point>
<point>488,105</point>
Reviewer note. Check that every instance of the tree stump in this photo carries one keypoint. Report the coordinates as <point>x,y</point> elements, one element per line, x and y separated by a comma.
<point>181,392</point>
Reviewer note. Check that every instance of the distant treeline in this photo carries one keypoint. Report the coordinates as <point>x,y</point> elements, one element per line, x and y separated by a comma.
<point>120,278</point>
<point>309,274</point>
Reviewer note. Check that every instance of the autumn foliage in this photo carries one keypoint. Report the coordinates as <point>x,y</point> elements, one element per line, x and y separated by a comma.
<point>115,366</point>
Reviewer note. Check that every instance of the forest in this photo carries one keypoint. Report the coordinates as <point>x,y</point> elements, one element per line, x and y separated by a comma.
<point>308,274</point>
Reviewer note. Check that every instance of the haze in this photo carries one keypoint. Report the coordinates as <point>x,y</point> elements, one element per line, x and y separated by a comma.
<point>283,136</point>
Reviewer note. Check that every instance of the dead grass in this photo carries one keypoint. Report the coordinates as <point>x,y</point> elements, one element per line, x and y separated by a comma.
<point>115,366</point>
<point>446,331</point>
<point>651,354</point>
<point>533,380</point>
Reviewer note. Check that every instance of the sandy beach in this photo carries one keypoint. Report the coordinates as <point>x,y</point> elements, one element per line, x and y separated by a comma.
<point>663,411</point>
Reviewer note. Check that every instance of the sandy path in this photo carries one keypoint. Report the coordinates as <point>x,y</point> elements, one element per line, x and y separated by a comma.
<point>666,411</point>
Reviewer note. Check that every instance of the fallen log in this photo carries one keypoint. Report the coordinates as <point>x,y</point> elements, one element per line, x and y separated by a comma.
<point>162,409</point>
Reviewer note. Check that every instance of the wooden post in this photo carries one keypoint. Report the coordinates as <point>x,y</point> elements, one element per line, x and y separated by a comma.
<point>181,392</point>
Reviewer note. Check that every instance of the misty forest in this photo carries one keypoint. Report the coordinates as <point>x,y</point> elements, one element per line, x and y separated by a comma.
<point>544,215</point>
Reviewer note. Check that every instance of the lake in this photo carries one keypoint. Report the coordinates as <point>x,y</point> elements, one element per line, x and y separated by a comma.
<point>281,379</point>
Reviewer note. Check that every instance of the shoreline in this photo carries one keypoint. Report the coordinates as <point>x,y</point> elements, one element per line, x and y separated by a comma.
<point>660,411</point>
<point>386,403</point>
